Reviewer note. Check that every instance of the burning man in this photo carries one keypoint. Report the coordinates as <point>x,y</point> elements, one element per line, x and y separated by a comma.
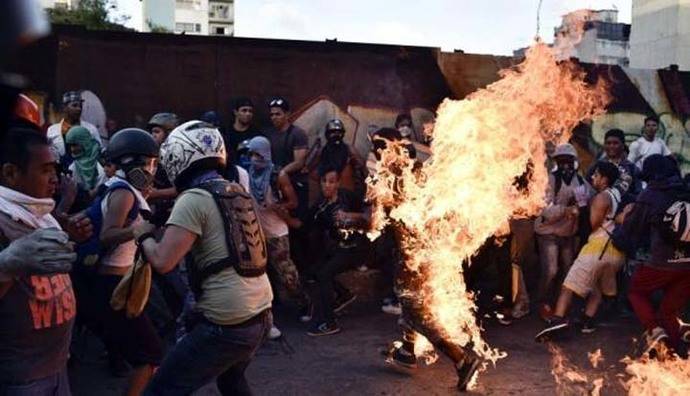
<point>408,284</point>
<point>593,274</point>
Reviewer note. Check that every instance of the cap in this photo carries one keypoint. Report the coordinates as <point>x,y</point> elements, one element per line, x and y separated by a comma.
<point>242,102</point>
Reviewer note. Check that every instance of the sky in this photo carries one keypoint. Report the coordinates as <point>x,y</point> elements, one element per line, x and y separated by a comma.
<point>474,26</point>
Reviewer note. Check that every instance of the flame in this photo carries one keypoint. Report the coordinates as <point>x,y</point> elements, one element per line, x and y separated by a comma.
<point>667,376</point>
<point>571,380</point>
<point>595,357</point>
<point>466,192</point>
<point>570,33</point>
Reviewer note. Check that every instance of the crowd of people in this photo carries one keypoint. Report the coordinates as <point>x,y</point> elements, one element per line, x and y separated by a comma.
<point>223,221</point>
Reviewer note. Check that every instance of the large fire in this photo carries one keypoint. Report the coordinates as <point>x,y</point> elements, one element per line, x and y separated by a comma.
<point>467,191</point>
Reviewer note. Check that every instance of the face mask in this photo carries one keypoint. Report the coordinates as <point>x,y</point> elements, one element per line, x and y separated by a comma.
<point>405,131</point>
<point>140,179</point>
<point>334,137</point>
<point>258,163</point>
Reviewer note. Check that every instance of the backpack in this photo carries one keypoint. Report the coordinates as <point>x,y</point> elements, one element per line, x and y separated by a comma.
<point>90,251</point>
<point>243,235</point>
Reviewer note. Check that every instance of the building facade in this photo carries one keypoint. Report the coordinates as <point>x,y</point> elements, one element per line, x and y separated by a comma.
<point>660,35</point>
<point>602,39</point>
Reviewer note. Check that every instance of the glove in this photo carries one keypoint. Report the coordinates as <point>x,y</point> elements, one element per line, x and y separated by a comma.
<point>581,196</point>
<point>45,251</point>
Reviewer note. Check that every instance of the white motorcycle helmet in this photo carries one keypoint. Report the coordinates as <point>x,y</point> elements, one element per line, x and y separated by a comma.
<point>192,146</point>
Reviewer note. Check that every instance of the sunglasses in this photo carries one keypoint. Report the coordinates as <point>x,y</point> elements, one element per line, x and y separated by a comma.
<point>276,102</point>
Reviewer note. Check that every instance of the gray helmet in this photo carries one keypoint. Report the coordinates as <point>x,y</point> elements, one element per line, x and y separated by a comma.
<point>128,146</point>
<point>167,121</point>
<point>335,125</point>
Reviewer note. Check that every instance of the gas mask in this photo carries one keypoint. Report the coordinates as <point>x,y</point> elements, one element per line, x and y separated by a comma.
<point>142,177</point>
<point>335,136</point>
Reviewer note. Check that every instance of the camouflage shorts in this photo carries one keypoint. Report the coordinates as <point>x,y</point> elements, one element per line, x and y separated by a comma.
<point>283,266</point>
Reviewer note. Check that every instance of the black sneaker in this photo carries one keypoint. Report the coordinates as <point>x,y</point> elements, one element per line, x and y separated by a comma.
<point>401,358</point>
<point>466,371</point>
<point>343,301</point>
<point>324,328</point>
<point>588,325</point>
<point>556,325</point>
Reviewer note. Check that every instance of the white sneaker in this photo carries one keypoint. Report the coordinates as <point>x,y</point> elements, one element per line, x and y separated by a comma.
<point>653,338</point>
<point>362,268</point>
<point>393,309</point>
<point>274,333</point>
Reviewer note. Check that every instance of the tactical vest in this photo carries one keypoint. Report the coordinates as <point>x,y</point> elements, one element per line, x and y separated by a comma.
<point>243,235</point>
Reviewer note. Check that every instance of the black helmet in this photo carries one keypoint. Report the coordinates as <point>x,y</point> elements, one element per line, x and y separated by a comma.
<point>129,146</point>
<point>167,121</point>
<point>335,125</point>
<point>243,147</point>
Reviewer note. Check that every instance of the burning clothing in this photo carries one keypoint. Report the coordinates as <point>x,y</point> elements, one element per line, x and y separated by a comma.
<point>558,218</point>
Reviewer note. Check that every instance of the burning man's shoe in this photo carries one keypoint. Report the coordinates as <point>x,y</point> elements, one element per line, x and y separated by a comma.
<point>324,328</point>
<point>556,326</point>
<point>466,371</point>
<point>398,356</point>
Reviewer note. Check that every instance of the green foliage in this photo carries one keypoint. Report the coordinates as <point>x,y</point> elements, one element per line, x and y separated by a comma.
<point>156,28</point>
<point>92,14</point>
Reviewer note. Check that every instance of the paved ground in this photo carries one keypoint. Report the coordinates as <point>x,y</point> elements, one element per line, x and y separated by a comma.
<point>349,363</point>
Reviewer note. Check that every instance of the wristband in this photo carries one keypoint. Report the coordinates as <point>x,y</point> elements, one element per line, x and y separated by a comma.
<point>144,237</point>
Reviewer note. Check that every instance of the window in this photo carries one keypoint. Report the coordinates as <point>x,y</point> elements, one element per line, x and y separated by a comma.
<point>187,27</point>
<point>220,31</point>
<point>219,11</point>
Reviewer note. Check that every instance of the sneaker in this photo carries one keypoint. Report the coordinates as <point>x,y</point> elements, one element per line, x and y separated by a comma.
<point>685,332</point>
<point>653,339</point>
<point>387,300</point>
<point>274,333</point>
<point>392,308</point>
<point>545,312</point>
<point>343,301</point>
<point>466,371</point>
<point>306,312</point>
<point>556,325</point>
<point>362,268</point>
<point>520,311</point>
<point>504,317</point>
<point>324,328</point>
<point>588,326</point>
<point>399,357</point>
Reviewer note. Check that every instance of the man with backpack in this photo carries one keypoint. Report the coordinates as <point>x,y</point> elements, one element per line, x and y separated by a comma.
<point>215,224</point>
<point>661,214</point>
<point>593,274</point>
<point>116,213</point>
<point>557,227</point>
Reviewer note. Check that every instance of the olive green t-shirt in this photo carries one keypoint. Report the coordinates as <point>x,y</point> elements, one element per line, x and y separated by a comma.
<point>227,298</point>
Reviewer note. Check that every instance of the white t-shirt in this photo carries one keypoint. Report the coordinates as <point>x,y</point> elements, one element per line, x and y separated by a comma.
<point>642,148</point>
<point>57,141</point>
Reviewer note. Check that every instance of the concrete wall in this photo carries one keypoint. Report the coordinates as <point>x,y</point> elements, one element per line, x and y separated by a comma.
<point>660,34</point>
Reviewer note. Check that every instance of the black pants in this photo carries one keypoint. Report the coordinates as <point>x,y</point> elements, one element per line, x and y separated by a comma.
<point>136,338</point>
<point>299,237</point>
<point>337,260</point>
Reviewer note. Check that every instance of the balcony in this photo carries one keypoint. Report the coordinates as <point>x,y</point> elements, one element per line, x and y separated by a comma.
<point>220,12</point>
